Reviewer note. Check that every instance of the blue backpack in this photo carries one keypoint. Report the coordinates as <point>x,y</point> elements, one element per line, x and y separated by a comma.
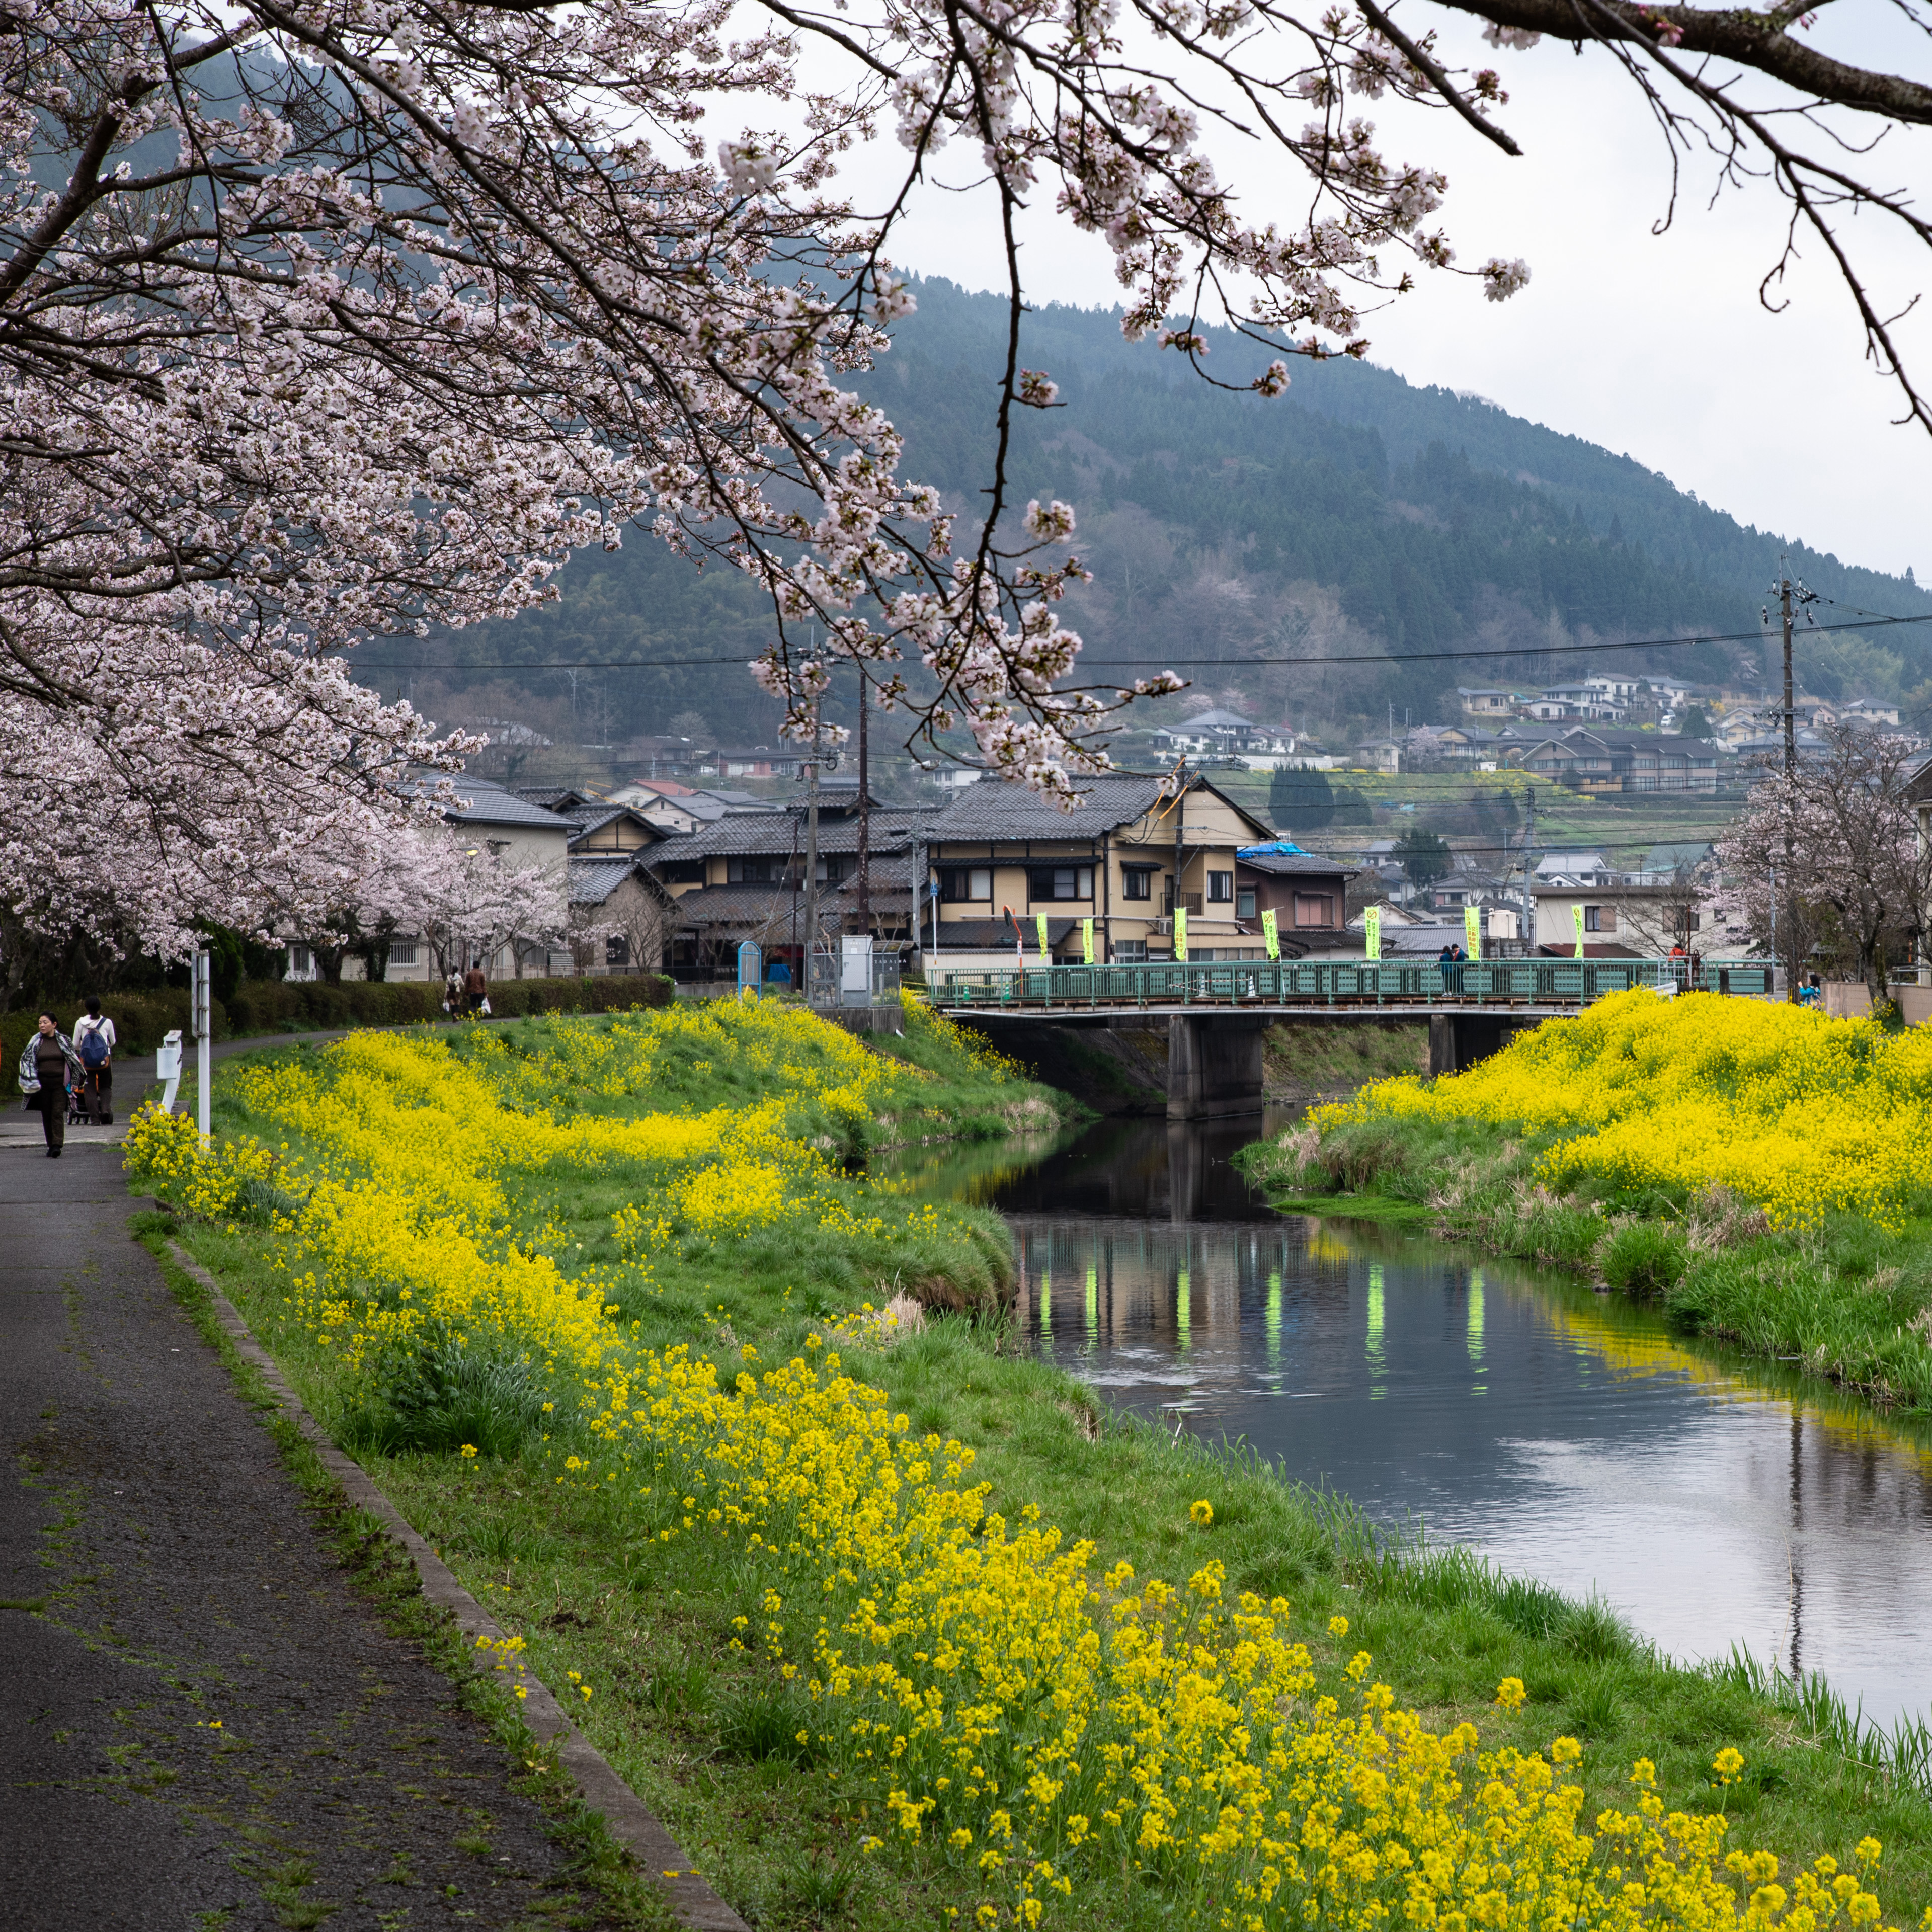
<point>94,1048</point>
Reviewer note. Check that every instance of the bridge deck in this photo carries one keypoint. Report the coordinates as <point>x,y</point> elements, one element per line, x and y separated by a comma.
<point>1408,989</point>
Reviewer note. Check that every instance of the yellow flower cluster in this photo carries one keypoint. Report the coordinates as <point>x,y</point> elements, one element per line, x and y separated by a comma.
<point>1799,1113</point>
<point>1047,1730</point>
<point>1050,1729</point>
<point>396,1199</point>
<point>167,1156</point>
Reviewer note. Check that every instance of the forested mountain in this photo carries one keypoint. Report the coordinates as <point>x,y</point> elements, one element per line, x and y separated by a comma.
<point>1358,514</point>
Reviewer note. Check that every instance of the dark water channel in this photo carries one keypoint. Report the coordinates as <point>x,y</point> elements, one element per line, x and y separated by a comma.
<point>1568,1435</point>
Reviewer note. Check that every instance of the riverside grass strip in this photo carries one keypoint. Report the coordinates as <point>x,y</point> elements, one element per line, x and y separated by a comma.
<point>814,1606</point>
<point>1765,1172</point>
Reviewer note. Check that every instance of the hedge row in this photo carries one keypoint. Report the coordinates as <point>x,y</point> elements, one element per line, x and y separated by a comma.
<point>287,1006</point>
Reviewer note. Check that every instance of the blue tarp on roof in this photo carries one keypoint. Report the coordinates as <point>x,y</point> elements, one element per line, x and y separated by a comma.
<point>1285,846</point>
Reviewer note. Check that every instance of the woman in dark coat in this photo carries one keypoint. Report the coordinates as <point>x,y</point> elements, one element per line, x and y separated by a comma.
<point>47,1067</point>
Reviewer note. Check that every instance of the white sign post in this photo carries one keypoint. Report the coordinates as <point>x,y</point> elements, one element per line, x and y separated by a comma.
<point>204,1025</point>
<point>167,1069</point>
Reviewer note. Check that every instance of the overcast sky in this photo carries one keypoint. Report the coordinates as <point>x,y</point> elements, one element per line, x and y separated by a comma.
<point>1653,346</point>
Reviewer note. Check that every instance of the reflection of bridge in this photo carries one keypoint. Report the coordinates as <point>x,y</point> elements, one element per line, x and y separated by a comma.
<point>1216,1011</point>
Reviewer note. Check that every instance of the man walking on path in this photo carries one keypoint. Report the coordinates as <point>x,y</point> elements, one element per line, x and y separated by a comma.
<point>93,1040</point>
<point>208,1721</point>
<point>475,990</point>
<point>48,1066</point>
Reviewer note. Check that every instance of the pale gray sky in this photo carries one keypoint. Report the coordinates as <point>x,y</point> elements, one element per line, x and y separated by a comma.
<point>1653,345</point>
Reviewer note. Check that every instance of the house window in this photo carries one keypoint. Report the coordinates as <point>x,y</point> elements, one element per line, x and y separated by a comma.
<point>617,950</point>
<point>683,872</point>
<point>958,883</point>
<point>1600,918</point>
<point>1244,902</point>
<point>753,872</point>
<point>1060,882</point>
<point>1220,888</point>
<point>299,961</point>
<point>1314,909</point>
<point>1137,882</point>
<point>402,952</point>
<point>1130,952</point>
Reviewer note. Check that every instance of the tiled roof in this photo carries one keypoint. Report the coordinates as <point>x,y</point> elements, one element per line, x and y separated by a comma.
<point>741,905</point>
<point>768,834</point>
<point>593,880</point>
<point>987,935</point>
<point>1260,858</point>
<point>997,808</point>
<point>491,805</point>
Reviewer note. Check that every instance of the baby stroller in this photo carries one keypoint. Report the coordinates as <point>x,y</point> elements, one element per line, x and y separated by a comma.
<point>80,1108</point>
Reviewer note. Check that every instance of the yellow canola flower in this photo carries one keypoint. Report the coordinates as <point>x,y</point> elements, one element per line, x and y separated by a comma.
<point>1043,1724</point>
<point>1785,1108</point>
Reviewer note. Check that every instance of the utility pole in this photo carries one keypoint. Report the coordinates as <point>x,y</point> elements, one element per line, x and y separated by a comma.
<point>811,857</point>
<point>1528,896</point>
<point>1787,588</point>
<point>1790,766</point>
<point>865,822</point>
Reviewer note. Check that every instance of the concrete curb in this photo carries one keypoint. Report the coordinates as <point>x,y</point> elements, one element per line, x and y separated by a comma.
<point>658,1857</point>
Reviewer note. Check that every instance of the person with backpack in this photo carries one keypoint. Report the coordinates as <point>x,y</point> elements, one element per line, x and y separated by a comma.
<point>48,1065</point>
<point>94,1040</point>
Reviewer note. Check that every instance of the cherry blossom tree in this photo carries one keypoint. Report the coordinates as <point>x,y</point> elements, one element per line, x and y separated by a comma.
<point>1858,880</point>
<point>324,320</point>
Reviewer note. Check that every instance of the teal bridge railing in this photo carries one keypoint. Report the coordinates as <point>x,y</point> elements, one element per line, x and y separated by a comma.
<point>1273,982</point>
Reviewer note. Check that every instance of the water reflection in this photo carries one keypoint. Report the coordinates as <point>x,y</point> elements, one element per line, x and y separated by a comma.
<point>1567,1435</point>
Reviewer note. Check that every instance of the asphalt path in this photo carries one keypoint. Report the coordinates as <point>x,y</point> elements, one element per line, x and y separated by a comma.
<point>202,1724</point>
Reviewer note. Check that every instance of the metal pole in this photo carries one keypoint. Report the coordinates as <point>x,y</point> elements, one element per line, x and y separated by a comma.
<point>1790,767</point>
<point>865,823</point>
<point>203,1024</point>
<point>1529,895</point>
<point>811,858</point>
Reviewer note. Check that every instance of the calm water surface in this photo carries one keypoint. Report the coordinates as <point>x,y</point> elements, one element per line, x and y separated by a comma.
<point>1566,1435</point>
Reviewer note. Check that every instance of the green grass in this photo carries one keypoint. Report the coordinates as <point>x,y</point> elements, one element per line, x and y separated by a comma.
<point>1848,1301</point>
<point>1309,1058</point>
<point>706,1735</point>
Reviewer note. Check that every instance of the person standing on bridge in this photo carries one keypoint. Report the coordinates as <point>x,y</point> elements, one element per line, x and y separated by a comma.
<point>1446,964</point>
<point>48,1064</point>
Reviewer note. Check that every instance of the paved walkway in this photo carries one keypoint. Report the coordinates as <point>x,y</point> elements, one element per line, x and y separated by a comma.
<point>204,1726</point>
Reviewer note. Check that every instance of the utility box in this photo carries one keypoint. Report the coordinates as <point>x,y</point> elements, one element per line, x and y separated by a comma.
<point>855,974</point>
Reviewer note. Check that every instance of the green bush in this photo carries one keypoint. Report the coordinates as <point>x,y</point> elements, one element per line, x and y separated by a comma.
<point>443,1395</point>
<point>1643,1258</point>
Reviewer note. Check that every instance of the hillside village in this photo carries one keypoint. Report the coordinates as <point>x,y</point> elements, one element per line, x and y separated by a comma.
<point>703,848</point>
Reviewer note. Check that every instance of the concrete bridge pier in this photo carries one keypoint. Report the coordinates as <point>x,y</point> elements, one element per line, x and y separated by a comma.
<point>1457,1040</point>
<point>1214,1065</point>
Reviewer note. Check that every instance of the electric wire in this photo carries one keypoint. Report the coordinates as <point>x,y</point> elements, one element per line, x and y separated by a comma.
<point>1199,663</point>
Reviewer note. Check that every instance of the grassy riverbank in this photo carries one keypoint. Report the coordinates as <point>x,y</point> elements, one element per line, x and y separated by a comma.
<point>1765,1173</point>
<point>841,1653</point>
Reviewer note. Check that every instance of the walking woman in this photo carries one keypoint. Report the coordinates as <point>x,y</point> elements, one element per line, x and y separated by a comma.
<point>48,1065</point>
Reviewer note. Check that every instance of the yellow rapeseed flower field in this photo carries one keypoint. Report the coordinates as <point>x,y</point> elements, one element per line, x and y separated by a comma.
<point>1054,1728</point>
<point>1801,1114</point>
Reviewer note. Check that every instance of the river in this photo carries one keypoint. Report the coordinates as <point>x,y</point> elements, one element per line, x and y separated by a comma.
<point>1567,1435</point>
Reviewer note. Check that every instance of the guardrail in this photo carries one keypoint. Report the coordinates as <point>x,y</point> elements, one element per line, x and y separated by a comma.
<point>1264,982</point>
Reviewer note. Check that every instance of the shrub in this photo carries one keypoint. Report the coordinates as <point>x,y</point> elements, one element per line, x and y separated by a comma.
<point>1642,1258</point>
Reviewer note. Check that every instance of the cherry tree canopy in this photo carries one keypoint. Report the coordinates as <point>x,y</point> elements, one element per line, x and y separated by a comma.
<point>1828,856</point>
<point>324,319</point>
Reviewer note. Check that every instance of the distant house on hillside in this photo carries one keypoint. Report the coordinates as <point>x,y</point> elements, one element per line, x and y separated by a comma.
<point>1485,702</point>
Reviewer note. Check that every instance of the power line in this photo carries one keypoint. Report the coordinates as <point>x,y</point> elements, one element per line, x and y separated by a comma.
<point>1202,663</point>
